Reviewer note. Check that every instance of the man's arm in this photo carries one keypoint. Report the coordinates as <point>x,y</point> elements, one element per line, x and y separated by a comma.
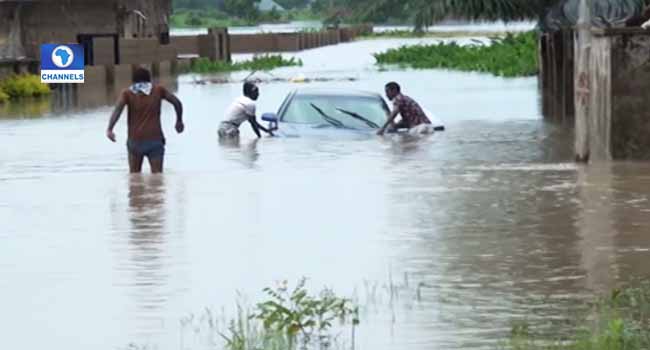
<point>391,117</point>
<point>178,107</point>
<point>259,126</point>
<point>117,112</point>
<point>255,126</point>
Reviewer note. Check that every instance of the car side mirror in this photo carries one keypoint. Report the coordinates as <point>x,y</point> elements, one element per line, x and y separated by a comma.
<point>270,117</point>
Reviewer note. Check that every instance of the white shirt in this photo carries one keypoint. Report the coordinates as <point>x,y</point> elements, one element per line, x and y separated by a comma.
<point>240,110</point>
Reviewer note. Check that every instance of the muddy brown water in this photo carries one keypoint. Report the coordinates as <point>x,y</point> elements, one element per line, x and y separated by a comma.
<point>491,217</point>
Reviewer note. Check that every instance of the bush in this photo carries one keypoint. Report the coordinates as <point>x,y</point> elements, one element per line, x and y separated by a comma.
<point>3,96</point>
<point>24,85</point>
<point>291,319</point>
<point>511,56</point>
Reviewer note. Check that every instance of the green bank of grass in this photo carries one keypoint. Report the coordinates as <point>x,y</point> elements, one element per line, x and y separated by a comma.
<point>257,63</point>
<point>24,85</point>
<point>620,321</point>
<point>513,55</point>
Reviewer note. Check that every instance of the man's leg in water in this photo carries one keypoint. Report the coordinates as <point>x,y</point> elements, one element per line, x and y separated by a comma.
<point>156,164</point>
<point>135,162</point>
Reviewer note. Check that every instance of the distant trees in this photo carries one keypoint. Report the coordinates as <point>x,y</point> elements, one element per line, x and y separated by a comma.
<point>293,4</point>
<point>245,9</point>
<point>194,4</point>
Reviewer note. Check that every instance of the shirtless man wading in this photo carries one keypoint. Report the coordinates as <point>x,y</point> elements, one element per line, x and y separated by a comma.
<point>145,136</point>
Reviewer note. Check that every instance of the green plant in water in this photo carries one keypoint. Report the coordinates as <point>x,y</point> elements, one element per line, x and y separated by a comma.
<point>257,63</point>
<point>300,316</point>
<point>510,56</point>
<point>23,85</point>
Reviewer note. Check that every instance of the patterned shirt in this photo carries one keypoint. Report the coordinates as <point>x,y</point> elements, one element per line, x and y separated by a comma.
<point>411,112</point>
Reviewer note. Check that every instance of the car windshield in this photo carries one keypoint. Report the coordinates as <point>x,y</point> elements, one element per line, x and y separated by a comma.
<point>352,111</point>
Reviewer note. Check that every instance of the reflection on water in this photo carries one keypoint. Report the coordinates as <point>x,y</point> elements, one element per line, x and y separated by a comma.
<point>26,108</point>
<point>491,217</point>
<point>147,238</point>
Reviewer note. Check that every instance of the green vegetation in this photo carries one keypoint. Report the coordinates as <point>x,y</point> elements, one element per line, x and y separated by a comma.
<point>401,33</point>
<point>258,63</point>
<point>3,96</point>
<point>185,18</point>
<point>620,321</point>
<point>420,13</point>
<point>204,19</point>
<point>24,85</point>
<point>285,320</point>
<point>510,56</point>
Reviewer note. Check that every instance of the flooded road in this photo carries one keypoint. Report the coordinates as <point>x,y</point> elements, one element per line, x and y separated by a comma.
<point>490,219</point>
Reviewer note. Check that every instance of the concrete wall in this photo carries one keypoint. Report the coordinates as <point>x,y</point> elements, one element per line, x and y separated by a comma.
<point>61,22</point>
<point>186,45</point>
<point>11,45</point>
<point>27,25</point>
<point>617,87</point>
<point>132,25</point>
<point>556,73</point>
<point>104,51</point>
<point>142,51</point>
<point>289,42</point>
<point>630,94</point>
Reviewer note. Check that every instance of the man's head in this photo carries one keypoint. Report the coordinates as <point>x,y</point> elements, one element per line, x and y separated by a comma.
<point>392,90</point>
<point>141,75</point>
<point>251,91</point>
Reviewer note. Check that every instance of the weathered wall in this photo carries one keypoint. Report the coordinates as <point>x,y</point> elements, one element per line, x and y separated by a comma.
<point>600,94</point>
<point>143,18</point>
<point>104,51</point>
<point>556,60</point>
<point>139,51</point>
<point>59,21</point>
<point>11,46</point>
<point>186,45</point>
<point>630,94</point>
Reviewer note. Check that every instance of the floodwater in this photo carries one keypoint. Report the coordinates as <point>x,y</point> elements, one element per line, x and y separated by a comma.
<point>491,219</point>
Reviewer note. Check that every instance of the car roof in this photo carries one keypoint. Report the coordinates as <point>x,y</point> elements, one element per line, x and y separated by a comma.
<point>335,92</point>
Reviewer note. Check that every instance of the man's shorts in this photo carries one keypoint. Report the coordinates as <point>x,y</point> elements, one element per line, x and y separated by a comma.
<point>152,149</point>
<point>228,130</point>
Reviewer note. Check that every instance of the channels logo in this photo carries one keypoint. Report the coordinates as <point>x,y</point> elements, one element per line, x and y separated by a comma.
<point>62,63</point>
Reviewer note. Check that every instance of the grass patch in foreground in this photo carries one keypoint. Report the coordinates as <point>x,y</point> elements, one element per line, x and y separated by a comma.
<point>258,63</point>
<point>24,85</point>
<point>620,321</point>
<point>513,55</point>
<point>287,319</point>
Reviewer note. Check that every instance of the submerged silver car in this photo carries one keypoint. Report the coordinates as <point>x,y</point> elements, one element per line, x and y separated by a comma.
<point>307,108</point>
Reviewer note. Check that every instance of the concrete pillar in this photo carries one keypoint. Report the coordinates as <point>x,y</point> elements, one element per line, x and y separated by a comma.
<point>208,47</point>
<point>583,83</point>
<point>301,41</point>
<point>222,39</point>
